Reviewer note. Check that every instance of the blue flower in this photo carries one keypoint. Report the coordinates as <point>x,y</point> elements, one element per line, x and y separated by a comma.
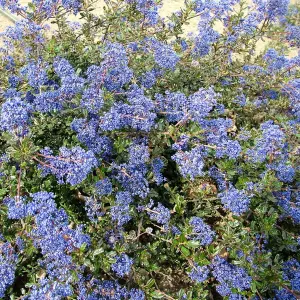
<point>122,266</point>
<point>229,277</point>
<point>136,294</point>
<point>271,143</point>
<point>199,274</point>
<point>149,9</point>
<point>157,166</point>
<point>289,201</point>
<point>191,163</point>
<point>15,116</point>
<point>201,103</point>
<point>174,106</point>
<point>235,200</point>
<point>71,165</point>
<point>160,214</point>
<point>201,231</point>
<point>293,35</point>
<point>121,211</point>
<point>89,135</point>
<point>36,73</point>
<point>164,55</point>
<point>103,187</point>
<point>8,260</point>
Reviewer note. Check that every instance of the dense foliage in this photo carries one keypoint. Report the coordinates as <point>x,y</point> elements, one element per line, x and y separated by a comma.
<point>141,162</point>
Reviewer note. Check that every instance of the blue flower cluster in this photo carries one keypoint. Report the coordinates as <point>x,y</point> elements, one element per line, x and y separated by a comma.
<point>157,127</point>
<point>216,131</point>
<point>292,89</point>
<point>93,208</point>
<point>272,8</point>
<point>218,177</point>
<point>36,74</point>
<point>15,116</point>
<point>48,101</point>
<point>103,187</point>
<point>122,265</point>
<point>50,8</point>
<point>120,213</point>
<point>289,201</point>
<point>182,143</point>
<point>235,200</point>
<point>157,167</point>
<point>164,55</point>
<point>199,274</point>
<point>71,165</point>
<point>174,106</point>
<point>108,290</point>
<point>269,145</point>
<point>191,163</point>
<point>55,239</point>
<point>92,100</point>
<point>113,72</point>
<point>138,115</point>
<point>284,173</point>
<point>8,260</point>
<point>177,107</point>
<point>202,103</point>
<point>149,9</point>
<point>204,40</point>
<point>71,83</point>
<point>23,29</point>
<point>201,231</point>
<point>291,273</point>
<point>160,214</point>
<point>293,35</point>
<point>149,78</point>
<point>46,9</point>
<point>230,277</point>
<point>88,133</point>
<point>132,175</point>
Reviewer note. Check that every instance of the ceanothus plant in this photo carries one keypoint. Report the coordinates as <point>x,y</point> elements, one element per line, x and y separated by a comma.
<point>141,162</point>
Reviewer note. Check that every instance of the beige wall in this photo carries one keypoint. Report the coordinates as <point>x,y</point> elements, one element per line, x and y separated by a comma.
<point>4,21</point>
<point>168,7</point>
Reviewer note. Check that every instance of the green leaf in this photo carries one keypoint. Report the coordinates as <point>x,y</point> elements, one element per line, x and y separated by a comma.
<point>185,251</point>
<point>157,295</point>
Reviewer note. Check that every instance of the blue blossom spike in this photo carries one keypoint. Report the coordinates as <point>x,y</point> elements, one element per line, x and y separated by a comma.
<point>199,274</point>
<point>15,116</point>
<point>136,294</point>
<point>191,163</point>
<point>235,200</point>
<point>8,260</point>
<point>122,266</point>
<point>160,214</point>
<point>201,103</point>
<point>201,231</point>
<point>71,165</point>
<point>157,166</point>
<point>229,277</point>
<point>103,187</point>
<point>120,213</point>
<point>164,55</point>
<point>270,144</point>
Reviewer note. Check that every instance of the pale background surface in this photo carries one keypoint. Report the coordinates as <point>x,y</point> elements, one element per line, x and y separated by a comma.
<point>168,7</point>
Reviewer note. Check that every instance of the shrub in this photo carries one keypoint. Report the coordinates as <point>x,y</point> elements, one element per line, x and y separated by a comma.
<point>139,162</point>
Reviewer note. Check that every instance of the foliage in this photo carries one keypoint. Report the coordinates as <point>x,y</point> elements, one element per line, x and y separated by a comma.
<point>138,162</point>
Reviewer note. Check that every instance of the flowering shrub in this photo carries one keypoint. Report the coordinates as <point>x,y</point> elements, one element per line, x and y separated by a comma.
<point>139,162</point>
